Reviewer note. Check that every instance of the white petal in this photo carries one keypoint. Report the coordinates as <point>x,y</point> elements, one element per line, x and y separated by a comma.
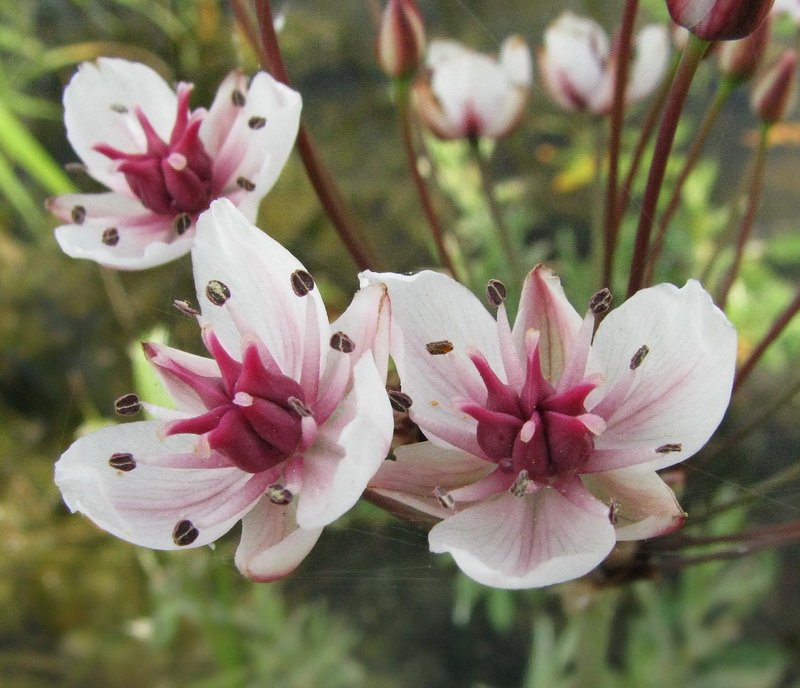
<point>349,450</point>
<point>681,390</point>
<point>272,544</point>
<point>650,63</point>
<point>257,154</point>
<point>430,307</point>
<point>169,484</point>
<point>641,503</point>
<point>186,398</point>
<point>92,103</point>
<point>515,57</point>
<point>528,542</point>
<point>543,306</point>
<point>257,270</point>
<point>418,469</point>
<point>146,239</point>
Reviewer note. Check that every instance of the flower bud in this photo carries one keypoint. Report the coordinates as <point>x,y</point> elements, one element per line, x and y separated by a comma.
<point>740,59</point>
<point>400,46</point>
<point>719,20</point>
<point>775,90</point>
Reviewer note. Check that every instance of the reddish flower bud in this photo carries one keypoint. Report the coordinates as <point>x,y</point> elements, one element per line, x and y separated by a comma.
<point>775,90</point>
<point>400,45</point>
<point>740,59</point>
<point>719,20</point>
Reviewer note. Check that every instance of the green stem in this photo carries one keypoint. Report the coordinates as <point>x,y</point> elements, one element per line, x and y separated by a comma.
<point>487,186</point>
<point>687,67</point>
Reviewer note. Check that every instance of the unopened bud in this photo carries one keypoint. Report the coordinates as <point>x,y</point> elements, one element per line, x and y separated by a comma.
<point>400,46</point>
<point>775,91</point>
<point>719,20</point>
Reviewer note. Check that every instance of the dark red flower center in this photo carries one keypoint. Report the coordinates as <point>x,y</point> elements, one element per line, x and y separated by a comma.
<point>171,177</point>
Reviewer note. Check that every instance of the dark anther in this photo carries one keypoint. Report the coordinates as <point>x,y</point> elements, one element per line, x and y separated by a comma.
<point>341,342</point>
<point>237,98</point>
<point>257,122</point>
<point>614,508</point>
<point>439,348</point>
<point>302,282</point>
<point>639,356</point>
<point>110,236</point>
<point>600,302</point>
<point>400,402</point>
<point>278,494</point>
<point>245,183</point>
<point>184,533</point>
<point>496,292</point>
<point>127,405</point>
<point>669,448</point>
<point>444,498</point>
<point>120,108</point>
<point>122,461</point>
<point>182,223</point>
<point>299,407</point>
<point>78,214</point>
<point>217,292</point>
<point>76,168</point>
<point>520,484</point>
<point>186,308</point>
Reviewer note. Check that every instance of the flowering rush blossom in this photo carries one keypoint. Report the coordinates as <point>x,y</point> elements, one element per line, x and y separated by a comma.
<point>467,94</point>
<point>281,428</point>
<point>719,20</point>
<point>577,65</point>
<point>164,162</point>
<point>544,439</point>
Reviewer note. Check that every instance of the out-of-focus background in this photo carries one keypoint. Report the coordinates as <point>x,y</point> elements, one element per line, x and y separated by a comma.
<point>370,607</point>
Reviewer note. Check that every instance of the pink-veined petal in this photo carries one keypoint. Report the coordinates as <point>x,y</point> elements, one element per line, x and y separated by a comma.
<point>544,307</point>
<point>430,307</point>
<point>272,543</point>
<point>540,539</point>
<point>165,359</point>
<point>682,387</point>
<point>99,107</point>
<point>258,273</point>
<point>418,469</point>
<point>350,448</point>
<point>640,503</point>
<point>168,485</point>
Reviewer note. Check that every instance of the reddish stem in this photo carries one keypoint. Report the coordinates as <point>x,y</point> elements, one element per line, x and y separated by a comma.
<point>617,116</point>
<point>666,135</point>
<point>329,195</point>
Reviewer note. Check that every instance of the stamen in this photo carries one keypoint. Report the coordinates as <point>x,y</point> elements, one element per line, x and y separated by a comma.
<point>76,168</point>
<point>444,498</point>
<point>186,308</point>
<point>217,292</point>
<point>110,236</point>
<point>127,405</point>
<point>182,223</point>
<point>496,292</point>
<point>184,533</point>
<point>639,356</point>
<point>257,122</point>
<point>614,507</point>
<point>341,342</point>
<point>120,108</point>
<point>669,448</point>
<point>237,98</point>
<point>400,402</point>
<point>246,184</point>
<point>600,302</point>
<point>302,282</point>
<point>78,214</point>
<point>278,494</point>
<point>440,347</point>
<point>300,408</point>
<point>520,485</point>
<point>122,461</point>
